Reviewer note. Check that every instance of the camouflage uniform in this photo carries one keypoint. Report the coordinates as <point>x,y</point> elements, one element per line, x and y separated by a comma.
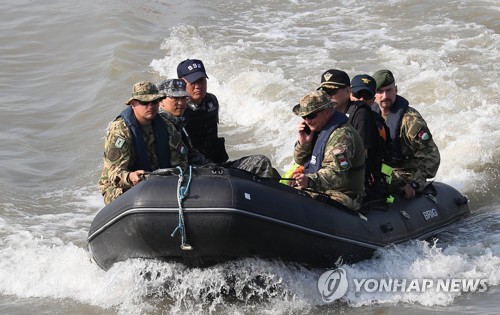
<point>419,156</point>
<point>341,173</point>
<point>258,164</point>
<point>119,156</point>
<point>182,152</point>
<point>344,146</point>
<point>416,141</point>
<point>119,153</point>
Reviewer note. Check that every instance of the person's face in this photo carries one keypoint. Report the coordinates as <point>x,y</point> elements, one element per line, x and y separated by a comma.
<point>317,120</point>
<point>340,95</point>
<point>197,89</point>
<point>363,95</point>
<point>386,96</point>
<point>144,111</point>
<point>174,105</point>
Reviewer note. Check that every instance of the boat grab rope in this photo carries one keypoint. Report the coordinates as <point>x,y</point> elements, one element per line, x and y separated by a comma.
<point>182,192</point>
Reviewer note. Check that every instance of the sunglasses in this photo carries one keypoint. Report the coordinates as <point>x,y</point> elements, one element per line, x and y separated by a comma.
<point>155,102</point>
<point>363,95</point>
<point>311,116</point>
<point>332,92</point>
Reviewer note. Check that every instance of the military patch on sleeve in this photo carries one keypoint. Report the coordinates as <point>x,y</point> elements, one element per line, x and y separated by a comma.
<point>342,160</point>
<point>113,154</point>
<point>119,143</point>
<point>422,134</point>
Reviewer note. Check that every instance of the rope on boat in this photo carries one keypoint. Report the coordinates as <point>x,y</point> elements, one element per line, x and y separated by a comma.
<point>182,192</point>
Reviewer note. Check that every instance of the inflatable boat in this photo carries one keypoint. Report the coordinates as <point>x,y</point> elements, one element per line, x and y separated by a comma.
<point>204,216</point>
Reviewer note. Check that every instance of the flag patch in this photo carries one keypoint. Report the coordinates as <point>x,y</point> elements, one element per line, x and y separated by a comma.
<point>423,135</point>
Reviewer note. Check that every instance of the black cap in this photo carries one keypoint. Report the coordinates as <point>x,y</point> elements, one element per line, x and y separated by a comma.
<point>191,70</point>
<point>334,79</point>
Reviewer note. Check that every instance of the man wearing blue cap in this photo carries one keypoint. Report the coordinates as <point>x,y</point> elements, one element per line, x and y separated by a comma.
<point>201,123</point>
<point>415,156</point>
<point>363,89</point>
<point>202,114</point>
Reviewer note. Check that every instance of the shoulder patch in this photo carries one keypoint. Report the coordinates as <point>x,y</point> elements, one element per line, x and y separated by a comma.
<point>422,134</point>
<point>211,107</point>
<point>119,143</point>
<point>337,151</point>
<point>113,154</point>
<point>342,160</point>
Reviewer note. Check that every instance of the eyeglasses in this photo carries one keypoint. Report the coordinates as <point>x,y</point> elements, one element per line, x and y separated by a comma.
<point>311,116</point>
<point>155,102</point>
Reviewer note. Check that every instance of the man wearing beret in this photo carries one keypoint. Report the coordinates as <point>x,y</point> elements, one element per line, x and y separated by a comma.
<point>135,143</point>
<point>415,156</point>
<point>330,150</point>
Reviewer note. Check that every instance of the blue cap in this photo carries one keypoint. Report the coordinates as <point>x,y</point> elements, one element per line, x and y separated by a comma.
<point>191,70</point>
<point>363,82</point>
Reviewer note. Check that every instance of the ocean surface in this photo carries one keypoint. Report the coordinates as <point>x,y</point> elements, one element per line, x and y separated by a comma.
<point>67,67</point>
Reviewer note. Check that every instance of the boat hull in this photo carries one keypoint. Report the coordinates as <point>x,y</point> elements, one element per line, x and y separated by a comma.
<point>230,214</point>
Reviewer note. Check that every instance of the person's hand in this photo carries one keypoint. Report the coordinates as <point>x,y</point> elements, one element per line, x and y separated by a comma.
<point>305,133</point>
<point>409,191</point>
<point>136,177</point>
<point>301,180</point>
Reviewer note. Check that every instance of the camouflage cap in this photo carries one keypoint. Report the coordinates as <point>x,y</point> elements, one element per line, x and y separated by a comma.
<point>383,78</point>
<point>144,91</point>
<point>173,88</point>
<point>312,102</point>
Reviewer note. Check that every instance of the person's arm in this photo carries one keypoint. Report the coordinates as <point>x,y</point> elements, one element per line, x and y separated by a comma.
<point>118,154</point>
<point>418,138</point>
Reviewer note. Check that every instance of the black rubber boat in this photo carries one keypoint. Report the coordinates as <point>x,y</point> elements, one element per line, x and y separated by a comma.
<point>227,214</point>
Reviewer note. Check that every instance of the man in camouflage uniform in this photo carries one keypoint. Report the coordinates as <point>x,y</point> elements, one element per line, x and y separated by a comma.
<point>182,152</point>
<point>331,151</point>
<point>172,108</point>
<point>415,156</point>
<point>135,143</point>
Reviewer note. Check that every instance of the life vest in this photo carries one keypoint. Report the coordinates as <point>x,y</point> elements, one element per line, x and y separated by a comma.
<point>393,122</point>
<point>141,151</point>
<point>202,126</point>
<point>314,165</point>
<point>379,154</point>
